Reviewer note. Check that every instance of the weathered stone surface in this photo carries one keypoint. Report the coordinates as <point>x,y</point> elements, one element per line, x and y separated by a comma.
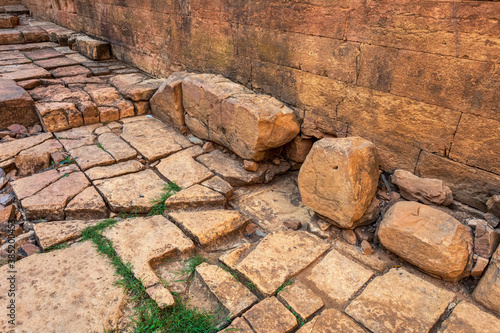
<point>298,149</point>
<point>10,36</point>
<point>131,193</point>
<point>8,213</point>
<point>110,97</point>
<point>229,291</point>
<point>220,185</point>
<point>28,186</point>
<point>86,206</point>
<point>107,114</point>
<point>399,300</point>
<point>233,257</point>
<point>137,87</point>
<point>58,232</point>
<point>16,105</point>
<point>339,179</point>
<point>280,256</point>
<point>78,137</point>
<point>153,139</point>
<point>49,203</point>
<point>479,267</point>
<point>493,205</point>
<point>93,48</point>
<point>246,123</point>
<point>11,149</point>
<point>91,156</point>
<point>270,316</point>
<point>44,53</point>
<point>116,147</point>
<point>36,158</point>
<point>331,321</point>
<point>142,108</point>
<point>238,325</point>
<point>301,299</point>
<point>59,116</point>
<point>54,63</point>
<point>486,239</point>
<point>470,185</point>
<point>209,227</point>
<point>159,239</point>
<point>487,292</point>
<point>161,296</point>
<point>195,197</point>
<point>51,283</point>
<point>8,21</point>
<point>114,170</point>
<point>426,190</point>
<point>271,204</point>
<point>166,103</point>
<point>231,169</point>
<point>468,318</point>
<point>182,169</point>
<point>428,238</point>
<point>339,277</point>
<point>70,71</point>
<point>33,34</point>
<point>26,73</point>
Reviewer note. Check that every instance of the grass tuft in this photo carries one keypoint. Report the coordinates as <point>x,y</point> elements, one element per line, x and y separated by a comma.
<point>56,247</point>
<point>300,321</point>
<point>284,285</point>
<point>159,203</point>
<point>192,263</point>
<point>148,317</point>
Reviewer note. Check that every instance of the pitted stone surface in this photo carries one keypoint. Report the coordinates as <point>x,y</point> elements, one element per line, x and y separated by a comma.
<point>50,284</point>
<point>86,205</point>
<point>115,146</point>
<point>91,156</point>
<point>331,321</point>
<point>280,256</point>
<point>132,192</point>
<point>399,300</point>
<point>301,299</point>
<point>195,197</point>
<point>270,316</point>
<point>11,149</point>
<point>158,239</point>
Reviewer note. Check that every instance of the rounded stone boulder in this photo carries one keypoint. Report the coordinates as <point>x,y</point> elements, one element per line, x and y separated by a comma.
<point>428,238</point>
<point>339,179</point>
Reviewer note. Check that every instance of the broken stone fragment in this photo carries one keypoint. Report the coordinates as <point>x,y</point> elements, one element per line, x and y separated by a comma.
<point>220,185</point>
<point>58,232</point>
<point>323,323</point>
<point>195,197</point>
<point>486,239</point>
<point>467,317</point>
<point>426,190</point>
<point>137,87</point>
<point>16,105</point>
<point>298,149</point>
<point>37,158</point>
<point>339,179</point>
<point>166,103</point>
<point>428,238</point>
<point>87,205</point>
<point>479,266</point>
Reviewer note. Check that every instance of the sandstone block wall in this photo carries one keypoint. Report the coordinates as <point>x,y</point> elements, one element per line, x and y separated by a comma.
<point>421,79</point>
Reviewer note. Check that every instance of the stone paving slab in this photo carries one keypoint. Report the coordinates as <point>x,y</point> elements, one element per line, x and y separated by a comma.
<point>153,139</point>
<point>11,149</point>
<point>74,289</point>
<point>196,197</point>
<point>58,232</point>
<point>399,302</point>
<point>209,227</point>
<point>468,318</point>
<point>331,321</point>
<point>280,256</point>
<point>229,291</point>
<point>158,239</point>
<point>133,192</point>
<point>339,277</point>
<point>271,204</point>
<point>114,170</point>
<point>270,316</point>
<point>301,299</point>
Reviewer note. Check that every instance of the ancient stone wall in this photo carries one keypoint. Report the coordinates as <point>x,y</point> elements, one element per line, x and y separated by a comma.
<point>418,78</point>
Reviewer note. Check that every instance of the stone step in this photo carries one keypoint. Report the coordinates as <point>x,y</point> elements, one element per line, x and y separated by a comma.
<point>16,105</point>
<point>14,9</point>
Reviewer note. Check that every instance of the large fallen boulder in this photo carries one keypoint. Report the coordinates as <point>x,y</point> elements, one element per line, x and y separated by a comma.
<point>16,105</point>
<point>339,179</point>
<point>426,190</point>
<point>215,108</point>
<point>428,238</point>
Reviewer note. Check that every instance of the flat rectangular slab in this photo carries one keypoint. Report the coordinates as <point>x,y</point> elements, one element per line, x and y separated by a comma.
<point>58,232</point>
<point>399,301</point>
<point>280,256</point>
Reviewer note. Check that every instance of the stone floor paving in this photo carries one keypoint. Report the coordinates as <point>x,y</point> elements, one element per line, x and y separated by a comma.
<point>272,264</point>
